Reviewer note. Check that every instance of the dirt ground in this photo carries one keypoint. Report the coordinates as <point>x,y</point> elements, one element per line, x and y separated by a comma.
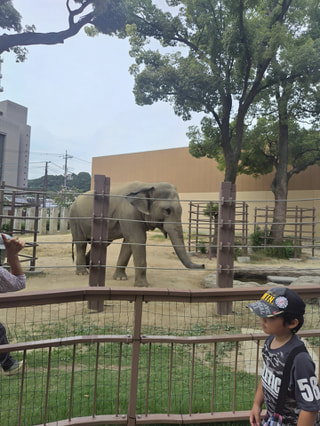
<point>54,261</point>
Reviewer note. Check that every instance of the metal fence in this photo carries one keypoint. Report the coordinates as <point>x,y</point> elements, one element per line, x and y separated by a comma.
<point>151,356</point>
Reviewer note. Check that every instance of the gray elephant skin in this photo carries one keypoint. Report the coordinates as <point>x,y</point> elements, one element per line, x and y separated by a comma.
<point>136,208</point>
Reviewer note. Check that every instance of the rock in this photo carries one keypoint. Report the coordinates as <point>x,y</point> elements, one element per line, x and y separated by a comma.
<point>243,259</point>
<point>210,281</point>
<point>281,279</point>
<point>307,280</point>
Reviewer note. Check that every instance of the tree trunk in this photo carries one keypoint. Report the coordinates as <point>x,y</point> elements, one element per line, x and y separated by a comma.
<point>279,184</point>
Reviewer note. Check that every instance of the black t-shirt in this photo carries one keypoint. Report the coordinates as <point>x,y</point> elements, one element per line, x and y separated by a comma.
<point>303,392</point>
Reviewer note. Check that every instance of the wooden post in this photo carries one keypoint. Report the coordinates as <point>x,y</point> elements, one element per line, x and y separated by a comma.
<point>99,236</point>
<point>225,250</point>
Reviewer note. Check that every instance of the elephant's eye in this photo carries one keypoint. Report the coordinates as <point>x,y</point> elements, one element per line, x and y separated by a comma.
<point>168,211</point>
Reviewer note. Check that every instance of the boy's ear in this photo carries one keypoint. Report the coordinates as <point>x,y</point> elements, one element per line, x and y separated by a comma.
<point>293,324</point>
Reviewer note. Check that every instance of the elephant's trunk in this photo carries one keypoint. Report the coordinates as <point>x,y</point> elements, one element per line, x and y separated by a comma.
<point>176,236</point>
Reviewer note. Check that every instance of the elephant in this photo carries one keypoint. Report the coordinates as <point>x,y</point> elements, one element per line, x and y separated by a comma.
<point>134,208</point>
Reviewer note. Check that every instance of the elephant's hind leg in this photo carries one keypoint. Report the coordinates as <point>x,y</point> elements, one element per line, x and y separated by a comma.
<point>81,259</point>
<point>123,260</point>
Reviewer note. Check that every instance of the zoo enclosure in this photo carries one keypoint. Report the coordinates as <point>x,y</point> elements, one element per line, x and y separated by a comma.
<point>300,227</point>
<point>21,211</point>
<point>136,334</point>
<point>156,348</point>
<point>204,222</point>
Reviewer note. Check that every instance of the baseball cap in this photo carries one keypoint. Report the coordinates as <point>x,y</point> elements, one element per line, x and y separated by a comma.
<point>276,301</point>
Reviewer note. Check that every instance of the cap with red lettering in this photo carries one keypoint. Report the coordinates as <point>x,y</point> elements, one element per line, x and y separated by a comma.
<point>278,300</point>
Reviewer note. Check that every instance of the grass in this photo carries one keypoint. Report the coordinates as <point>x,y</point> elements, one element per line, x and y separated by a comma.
<point>35,383</point>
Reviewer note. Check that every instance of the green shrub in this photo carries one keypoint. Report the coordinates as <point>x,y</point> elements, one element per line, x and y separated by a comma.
<point>211,208</point>
<point>237,248</point>
<point>202,247</point>
<point>257,238</point>
<point>6,228</point>
<point>286,251</point>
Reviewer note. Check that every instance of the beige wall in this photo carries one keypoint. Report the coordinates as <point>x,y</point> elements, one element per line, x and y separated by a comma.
<point>188,174</point>
<point>199,179</point>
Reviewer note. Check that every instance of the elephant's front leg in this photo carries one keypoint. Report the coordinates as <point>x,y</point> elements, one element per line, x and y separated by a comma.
<point>140,263</point>
<point>81,259</point>
<point>123,260</point>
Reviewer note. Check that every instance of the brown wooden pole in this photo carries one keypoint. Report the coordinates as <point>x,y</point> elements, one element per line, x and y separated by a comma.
<point>225,250</point>
<point>99,236</point>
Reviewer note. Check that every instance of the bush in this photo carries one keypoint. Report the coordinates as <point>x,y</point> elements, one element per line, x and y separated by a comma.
<point>257,238</point>
<point>202,247</point>
<point>286,251</point>
<point>211,208</point>
<point>237,248</point>
<point>6,228</point>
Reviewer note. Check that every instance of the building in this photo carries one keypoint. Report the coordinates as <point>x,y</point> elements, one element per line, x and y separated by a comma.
<point>14,144</point>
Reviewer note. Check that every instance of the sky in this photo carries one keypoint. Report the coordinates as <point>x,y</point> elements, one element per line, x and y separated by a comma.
<point>79,98</point>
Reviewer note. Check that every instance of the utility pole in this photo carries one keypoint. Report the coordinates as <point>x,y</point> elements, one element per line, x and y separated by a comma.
<point>45,184</point>
<point>66,157</point>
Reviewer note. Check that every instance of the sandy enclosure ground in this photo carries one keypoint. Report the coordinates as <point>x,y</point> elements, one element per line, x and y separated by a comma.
<point>54,259</point>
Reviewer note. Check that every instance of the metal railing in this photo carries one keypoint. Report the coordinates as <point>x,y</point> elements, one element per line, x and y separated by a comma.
<point>170,359</point>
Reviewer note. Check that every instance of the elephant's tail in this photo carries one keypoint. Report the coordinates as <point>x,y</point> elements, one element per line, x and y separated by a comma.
<point>72,251</point>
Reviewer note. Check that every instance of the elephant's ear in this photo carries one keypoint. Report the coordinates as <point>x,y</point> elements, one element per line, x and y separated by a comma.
<point>141,200</point>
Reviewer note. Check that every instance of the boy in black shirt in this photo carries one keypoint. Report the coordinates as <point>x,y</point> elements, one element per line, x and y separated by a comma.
<point>281,313</point>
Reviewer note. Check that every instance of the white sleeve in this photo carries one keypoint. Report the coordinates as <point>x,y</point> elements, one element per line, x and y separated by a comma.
<point>9,282</point>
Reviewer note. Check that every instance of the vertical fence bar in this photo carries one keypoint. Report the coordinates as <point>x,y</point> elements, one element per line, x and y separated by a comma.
<point>301,231</point>
<point>211,216</point>
<point>95,382</point>
<point>257,365</point>
<point>197,228</point>
<point>235,378</point>
<point>21,387</point>
<point>266,227</point>
<point>296,224</point>
<point>313,229</point>
<point>170,379</point>
<point>12,212</point>
<point>148,381</point>
<point>214,375</point>
<point>192,379</point>
<point>135,361</point>
<point>72,382</point>
<point>119,377</point>
<point>35,233</point>
<point>47,387</point>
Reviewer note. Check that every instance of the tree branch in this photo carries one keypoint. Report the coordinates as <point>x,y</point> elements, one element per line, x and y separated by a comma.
<point>29,38</point>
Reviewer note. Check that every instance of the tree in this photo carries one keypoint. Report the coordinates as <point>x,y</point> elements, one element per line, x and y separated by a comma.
<point>86,12</point>
<point>225,50</point>
<point>81,182</point>
<point>292,97</point>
